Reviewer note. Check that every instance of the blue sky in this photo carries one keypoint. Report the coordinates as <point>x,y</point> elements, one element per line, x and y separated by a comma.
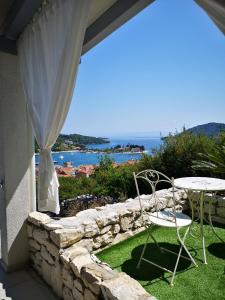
<point>163,69</point>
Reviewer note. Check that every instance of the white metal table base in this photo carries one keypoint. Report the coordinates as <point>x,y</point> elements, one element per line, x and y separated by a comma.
<point>202,218</point>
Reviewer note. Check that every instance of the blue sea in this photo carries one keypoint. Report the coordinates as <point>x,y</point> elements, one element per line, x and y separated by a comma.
<point>78,158</point>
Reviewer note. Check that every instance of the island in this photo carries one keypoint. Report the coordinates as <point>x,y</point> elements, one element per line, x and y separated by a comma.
<point>133,148</point>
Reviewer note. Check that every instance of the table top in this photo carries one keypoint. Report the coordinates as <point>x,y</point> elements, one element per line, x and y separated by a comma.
<point>200,184</point>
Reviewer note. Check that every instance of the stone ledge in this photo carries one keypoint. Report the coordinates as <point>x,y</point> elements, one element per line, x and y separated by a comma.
<point>61,250</point>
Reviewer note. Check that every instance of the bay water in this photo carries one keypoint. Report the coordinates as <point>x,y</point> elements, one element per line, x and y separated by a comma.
<point>80,158</point>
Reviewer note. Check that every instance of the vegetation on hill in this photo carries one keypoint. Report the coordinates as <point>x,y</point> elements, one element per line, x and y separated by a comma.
<point>82,139</point>
<point>210,129</point>
<point>70,141</point>
<point>174,158</point>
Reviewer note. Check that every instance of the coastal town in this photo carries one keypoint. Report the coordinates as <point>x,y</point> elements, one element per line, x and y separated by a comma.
<point>68,170</point>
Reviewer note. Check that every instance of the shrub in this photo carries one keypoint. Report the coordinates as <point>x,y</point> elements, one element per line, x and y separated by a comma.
<point>213,161</point>
<point>71,187</point>
<point>174,158</point>
<point>113,181</point>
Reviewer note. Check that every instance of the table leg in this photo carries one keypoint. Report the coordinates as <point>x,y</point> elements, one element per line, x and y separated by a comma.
<point>194,208</point>
<point>201,226</point>
<point>211,224</point>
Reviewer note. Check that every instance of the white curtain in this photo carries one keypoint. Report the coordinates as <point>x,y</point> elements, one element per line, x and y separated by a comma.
<point>216,11</point>
<point>49,53</point>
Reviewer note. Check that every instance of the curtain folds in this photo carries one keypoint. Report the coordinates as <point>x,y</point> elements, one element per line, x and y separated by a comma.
<point>49,53</point>
<point>215,10</point>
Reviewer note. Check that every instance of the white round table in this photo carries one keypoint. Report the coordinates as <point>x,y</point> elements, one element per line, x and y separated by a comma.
<point>202,185</point>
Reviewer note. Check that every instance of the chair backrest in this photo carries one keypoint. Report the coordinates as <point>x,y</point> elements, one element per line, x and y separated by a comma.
<point>154,179</point>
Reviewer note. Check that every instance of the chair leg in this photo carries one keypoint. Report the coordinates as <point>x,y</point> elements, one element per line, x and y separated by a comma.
<point>175,268</point>
<point>154,240</point>
<point>183,245</point>
<point>144,248</point>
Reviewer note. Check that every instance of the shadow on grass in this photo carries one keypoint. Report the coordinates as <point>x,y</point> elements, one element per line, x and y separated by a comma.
<point>217,249</point>
<point>148,272</point>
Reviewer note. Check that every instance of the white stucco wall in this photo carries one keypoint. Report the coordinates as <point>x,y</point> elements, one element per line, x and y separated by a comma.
<point>17,198</point>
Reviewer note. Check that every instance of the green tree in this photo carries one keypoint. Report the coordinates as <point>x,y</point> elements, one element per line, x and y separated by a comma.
<point>175,156</point>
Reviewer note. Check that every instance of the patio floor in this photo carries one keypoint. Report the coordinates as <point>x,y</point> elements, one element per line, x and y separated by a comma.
<point>205,282</point>
<point>23,285</point>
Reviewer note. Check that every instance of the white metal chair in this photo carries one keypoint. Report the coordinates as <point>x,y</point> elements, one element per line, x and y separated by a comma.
<point>164,218</point>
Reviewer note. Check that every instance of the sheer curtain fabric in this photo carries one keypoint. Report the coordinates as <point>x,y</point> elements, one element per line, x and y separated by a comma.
<point>216,11</point>
<point>49,53</point>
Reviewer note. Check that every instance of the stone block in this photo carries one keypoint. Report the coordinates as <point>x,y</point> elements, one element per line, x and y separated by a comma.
<point>34,244</point>
<point>56,279</point>
<point>126,222</point>
<point>105,229</point>
<point>41,236</point>
<point>85,243</point>
<point>38,218</point>
<point>72,252</point>
<point>78,285</point>
<point>46,271</point>
<point>103,240</point>
<point>68,277</point>
<point>29,230</point>
<point>115,228</point>
<point>141,221</point>
<point>65,237</point>
<point>38,258</point>
<point>90,228</point>
<point>67,294</point>
<point>96,272</point>
<point>38,269</point>
<point>218,219</point>
<point>107,217</point>
<point>52,249</point>
<point>221,201</point>
<point>45,254</point>
<point>220,211</point>
<point>79,262</point>
<point>88,295</point>
<point>77,294</point>
<point>123,287</point>
<point>52,226</point>
<point>36,262</point>
<point>93,274</point>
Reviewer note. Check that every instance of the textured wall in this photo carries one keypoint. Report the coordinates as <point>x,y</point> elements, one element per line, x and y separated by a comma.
<point>16,164</point>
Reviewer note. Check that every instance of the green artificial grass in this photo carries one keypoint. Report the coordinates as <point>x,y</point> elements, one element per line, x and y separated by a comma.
<point>205,282</point>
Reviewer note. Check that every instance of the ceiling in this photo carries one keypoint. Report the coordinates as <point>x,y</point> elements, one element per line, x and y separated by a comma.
<point>4,9</point>
<point>105,17</point>
<point>98,8</point>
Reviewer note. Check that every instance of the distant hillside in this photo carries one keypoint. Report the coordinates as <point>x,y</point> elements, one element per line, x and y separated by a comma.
<point>209,129</point>
<point>81,139</point>
<point>71,141</point>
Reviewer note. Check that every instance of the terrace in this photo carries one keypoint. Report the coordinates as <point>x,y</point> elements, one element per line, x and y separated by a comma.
<point>62,250</point>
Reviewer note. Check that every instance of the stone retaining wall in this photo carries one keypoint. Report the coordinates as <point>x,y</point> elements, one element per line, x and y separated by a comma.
<point>214,204</point>
<point>62,250</point>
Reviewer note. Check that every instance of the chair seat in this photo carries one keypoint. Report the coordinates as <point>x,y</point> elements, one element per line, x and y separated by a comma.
<point>166,219</point>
